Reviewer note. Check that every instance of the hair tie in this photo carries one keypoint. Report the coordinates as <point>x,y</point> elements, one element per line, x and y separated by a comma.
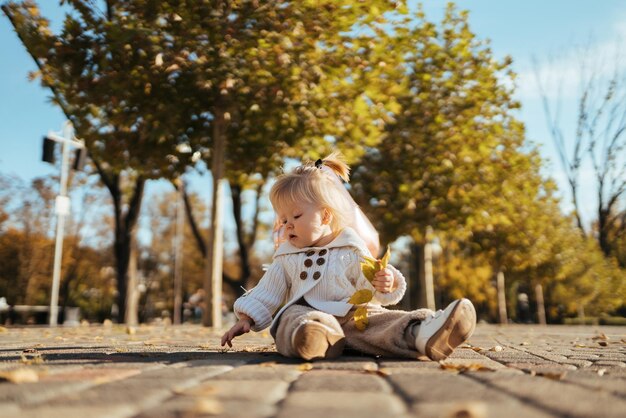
<point>318,163</point>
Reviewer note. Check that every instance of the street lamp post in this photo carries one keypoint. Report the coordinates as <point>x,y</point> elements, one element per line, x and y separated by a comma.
<point>62,207</point>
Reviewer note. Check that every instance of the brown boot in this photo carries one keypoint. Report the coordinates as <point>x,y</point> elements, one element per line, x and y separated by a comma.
<point>313,340</point>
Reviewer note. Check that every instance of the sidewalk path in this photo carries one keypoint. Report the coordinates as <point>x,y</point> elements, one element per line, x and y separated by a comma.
<point>158,371</point>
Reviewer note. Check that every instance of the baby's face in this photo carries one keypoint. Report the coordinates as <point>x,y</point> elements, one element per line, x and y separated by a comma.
<point>306,225</point>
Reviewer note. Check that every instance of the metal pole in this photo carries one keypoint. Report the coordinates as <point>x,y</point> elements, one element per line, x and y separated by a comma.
<point>62,209</point>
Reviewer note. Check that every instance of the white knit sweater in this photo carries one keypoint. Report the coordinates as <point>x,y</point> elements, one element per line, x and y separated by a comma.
<point>325,276</point>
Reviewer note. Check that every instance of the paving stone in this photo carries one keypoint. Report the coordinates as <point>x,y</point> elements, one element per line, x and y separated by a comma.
<point>264,391</point>
<point>555,396</point>
<point>543,368</point>
<point>589,357</point>
<point>181,372</point>
<point>486,408</point>
<point>613,356</point>
<point>269,371</point>
<point>110,411</point>
<point>347,363</point>
<point>38,392</point>
<point>186,406</point>
<point>549,356</point>
<point>341,404</point>
<point>609,363</point>
<point>409,365</point>
<point>126,393</point>
<point>341,381</point>
<point>606,382</point>
<point>449,387</point>
<point>196,373</point>
<point>9,409</point>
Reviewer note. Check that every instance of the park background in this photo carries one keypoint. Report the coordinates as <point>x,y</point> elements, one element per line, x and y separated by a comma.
<point>450,150</point>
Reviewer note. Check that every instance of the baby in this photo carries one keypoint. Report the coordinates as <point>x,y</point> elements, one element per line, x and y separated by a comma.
<point>317,269</point>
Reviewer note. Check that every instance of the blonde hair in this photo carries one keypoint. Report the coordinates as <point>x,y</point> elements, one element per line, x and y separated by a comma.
<point>311,184</point>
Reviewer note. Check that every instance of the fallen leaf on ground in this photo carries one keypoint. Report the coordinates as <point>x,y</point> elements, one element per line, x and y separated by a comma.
<point>549,375</point>
<point>380,372</point>
<point>601,336</point>
<point>370,367</point>
<point>465,367</point>
<point>305,367</point>
<point>468,410</point>
<point>20,376</point>
<point>209,407</point>
<point>202,390</point>
<point>35,359</point>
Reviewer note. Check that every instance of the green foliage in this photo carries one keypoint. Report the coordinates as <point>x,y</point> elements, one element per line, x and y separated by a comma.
<point>448,125</point>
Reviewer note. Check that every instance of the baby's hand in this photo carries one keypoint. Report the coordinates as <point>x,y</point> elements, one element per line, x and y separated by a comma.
<point>241,327</point>
<point>383,281</point>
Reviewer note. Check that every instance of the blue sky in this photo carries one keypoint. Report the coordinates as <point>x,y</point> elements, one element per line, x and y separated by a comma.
<point>521,29</point>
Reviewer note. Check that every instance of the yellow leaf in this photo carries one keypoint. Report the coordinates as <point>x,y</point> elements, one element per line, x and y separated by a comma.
<point>385,260</point>
<point>20,376</point>
<point>368,271</point>
<point>370,261</point>
<point>208,407</point>
<point>360,318</point>
<point>465,367</point>
<point>305,367</point>
<point>361,296</point>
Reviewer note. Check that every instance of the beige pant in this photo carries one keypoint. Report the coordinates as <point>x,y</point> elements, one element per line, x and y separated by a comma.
<point>388,333</point>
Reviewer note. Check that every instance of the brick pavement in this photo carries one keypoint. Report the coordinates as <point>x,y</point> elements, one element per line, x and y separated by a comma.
<point>158,371</point>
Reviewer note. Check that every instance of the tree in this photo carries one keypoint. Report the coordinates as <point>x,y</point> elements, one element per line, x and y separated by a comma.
<point>272,69</point>
<point>142,80</point>
<point>101,71</point>
<point>598,141</point>
<point>450,126</point>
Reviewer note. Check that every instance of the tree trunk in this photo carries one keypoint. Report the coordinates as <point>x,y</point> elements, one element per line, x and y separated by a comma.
<point>236,190</point>
<point>502,314</point>
<point>125,230</point>
<point>235,285</point>
<point>131,313</point>
<point>541,309</point>
<point>421,276</point>
<point>603,230</point>
<point>212,316</point>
